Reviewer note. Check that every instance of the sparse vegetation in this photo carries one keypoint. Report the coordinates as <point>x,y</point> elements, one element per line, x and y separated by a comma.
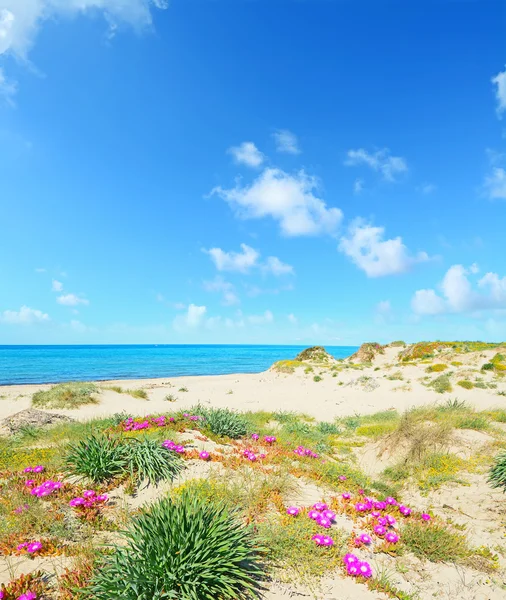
<point>317,378</point>
<point>441,384</point>
<point>183,389</point>
<point>223,422</point>
<point>437,368</point>
<point>497,476</point>
<point>66,395</point>
<point>466,384</point>
<point>435,542</point>
<point>138,393</point>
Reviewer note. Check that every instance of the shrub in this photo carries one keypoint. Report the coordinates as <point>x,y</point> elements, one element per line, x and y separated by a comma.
<point>148,460</point>
<point>441,384</point>
<point>456,363</point>
<point>99,458</point>
<point>497,475</point>
<point>66,395</point>
<point>488,367</point>
<point>183,389</point>
<point>223,422</point>
<point>317,378</point>
<point>466,384</point>
<point>477,422</point>
<point>437,368</point>
<point>183,547</point>
<point>328,428</point>
<point>138,393</point>
<point>434,541</point>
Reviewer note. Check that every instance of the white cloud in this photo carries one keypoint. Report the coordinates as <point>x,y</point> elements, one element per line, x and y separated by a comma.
<point>20,21</point>
<point>286,141</point>
<point>495,184</point>
<point>246,260</point>
<point>223,287</point>
<point>381,160</point>
<point>247,154</point>
<point>267,317</point>
<point>56,286</point>
<point>25,316</point>
<point>366,247</point>
<point>358,186</point>
<point>234,261</point>
<point>500,81</point>
<point>458,295</point>
<point>71,300</point>
<point>427,188</point>
<point>194,315</point>
<point>276,267</point>
<point>8,88</point>
<point>293,319</point>
<point>286,198</point>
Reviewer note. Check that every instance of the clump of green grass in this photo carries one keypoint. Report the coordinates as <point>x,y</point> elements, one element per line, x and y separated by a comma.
<point>97,458</point>
<point>497,475</point>
<point>103,458</point>
<point>456,363</point>
<point>137,393</point>
<point>397,376</point>
<point>317,378</point>
<point>466,384</point>
<point>66,395</point>
<point>328,428</point>
<point>473,421</point>
<point>437,368</point>
<point>308,370</point>
<point>183,547</point>
<point>170,398</point>
<point>435,542</point>
<point>441,384</point>
<point>287,366</point>
<point>223,422</point>
<point>183,389</point>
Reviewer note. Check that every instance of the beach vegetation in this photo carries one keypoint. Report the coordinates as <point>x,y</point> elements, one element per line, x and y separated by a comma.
<point>137,393</point>
<point>435,542</point>
<point>456,363</point>
<point>170,398</point>
<point>183,389</point>
<point>317,378</point>
<point>287,366</point>
<point>497,475</point>
<point>98,458</point>
<point>223,422</point>
<point>66,395</point>
<point>441,384</point>
<point>183,547</point>
<point>436,368</point>
<point>466,384</point>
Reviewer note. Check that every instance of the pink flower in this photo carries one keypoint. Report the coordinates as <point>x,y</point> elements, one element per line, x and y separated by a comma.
<point>376,514</point>
<point>318,539</point>
<point>293,511</point>
<point>360,507</point>
<point>382,521</point>
<point>262,455</point>
<point>361,492</point>
<point>404,510</point>
<point>324,522</point>
<point>28,596</point>
<point>380,530</point>
<point>327,541</point>
<point>22,546</point>
<point>29,483</point>
<point>255,436</point>
<point>426,517</point>
<point>34,547</point>
<point>102,498</point>
<point>28,470</point>
<point>313,514</point>
<point>342,478</point>
<point>353,569</point>
<point>320,506</point>
<point>365,539</point>
<point>329,514</point>
<point>350,559</point>
<point>391,501</point>
<point>88,493</point>
<point>380,505</point>
<point>180,449</point>
<point>38,469</point>
<point>364,570</point>
<point>346,495</point>
<point>76,502</point>
<point>391,537</point>
<point>172,419</point>
<point>269,439</point>
<point>204,455</point>
<point>391,520</point>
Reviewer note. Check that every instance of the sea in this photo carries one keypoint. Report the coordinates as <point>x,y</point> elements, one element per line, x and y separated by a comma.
<point>54,364</point>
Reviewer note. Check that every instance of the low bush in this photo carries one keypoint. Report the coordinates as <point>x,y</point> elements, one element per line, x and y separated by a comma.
<point>223,422</point>
<point>66,395</point>
<point>148,460</point>
<point>488,367</point>
<point>97,458</point>
<point>437,368</point>
<point>441,384</point>
<point>434,541</point>
<point>497,475</point>
<point>466,384</point>
<point>317,378</point>
<point>139,393</point>
<point>183,547</point>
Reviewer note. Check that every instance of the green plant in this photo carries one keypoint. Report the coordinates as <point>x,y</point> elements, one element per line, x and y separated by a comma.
<point>308,370</point>
<point>437,368</point>
<point>170,398</point>
<point>66,395</point>
<point>497,475</point>
<point>488,367</point>
<point>98,458</point>
<point>183,389</point>
<point>328,428</point>
<point>456,363</point>
<point>466,384</point>
<point>223,422</point>
<point>185,548</point>
<point>148,460</point>
<point>138,393</point>
<point>434,541</point>
<point>441,384</point>
<point>115,388</point>
<point>317,378</point>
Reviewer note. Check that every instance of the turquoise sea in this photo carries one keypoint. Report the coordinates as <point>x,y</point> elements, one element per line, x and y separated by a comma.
<point>52,364</point>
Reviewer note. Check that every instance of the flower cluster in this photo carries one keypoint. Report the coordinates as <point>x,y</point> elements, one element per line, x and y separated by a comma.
<point>269,439</point>
<point>170,445</point>
<point>356,567</point>
<point>251,456</point>
<point>132,425</point>
<point>323,540</point>
<point>37,469</point>
<point>45,489</point>
<point>30,547</point>
<point>302,451</point>
<point>26,596</point>
<point>89,499</point>
<point>322,515</point>
<point>194,418</point>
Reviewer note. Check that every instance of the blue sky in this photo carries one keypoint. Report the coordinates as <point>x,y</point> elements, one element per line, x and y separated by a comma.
<point>255,171</point>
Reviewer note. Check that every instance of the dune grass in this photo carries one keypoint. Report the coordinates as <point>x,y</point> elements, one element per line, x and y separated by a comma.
<point>66,395</point>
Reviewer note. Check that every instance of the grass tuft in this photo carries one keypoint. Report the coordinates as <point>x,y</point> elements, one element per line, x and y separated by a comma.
<point>66,395</point>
